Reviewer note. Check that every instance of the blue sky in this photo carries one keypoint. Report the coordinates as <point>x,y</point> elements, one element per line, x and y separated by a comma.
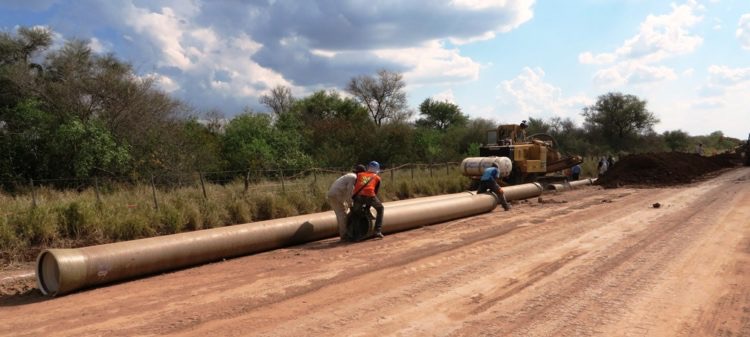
<point>500,59</point>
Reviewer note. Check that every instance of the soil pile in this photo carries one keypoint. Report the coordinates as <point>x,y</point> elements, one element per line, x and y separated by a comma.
<point>663,169</point>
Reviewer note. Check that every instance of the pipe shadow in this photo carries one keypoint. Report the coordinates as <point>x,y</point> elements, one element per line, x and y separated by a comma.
<point>30,296</point>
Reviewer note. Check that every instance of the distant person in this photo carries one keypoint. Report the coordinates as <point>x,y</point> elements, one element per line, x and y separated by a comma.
<point>366,193</point>
<point>699,149</point>
<point>610,162</point>
<point>340,197</point>
<point>519,132</point>
<point>602,166</point>
<point>489,182</point>
<point>575,172</point>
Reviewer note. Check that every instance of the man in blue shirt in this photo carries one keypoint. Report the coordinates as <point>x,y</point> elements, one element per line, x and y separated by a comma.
<point>489,182</point>
<point>575,172</point>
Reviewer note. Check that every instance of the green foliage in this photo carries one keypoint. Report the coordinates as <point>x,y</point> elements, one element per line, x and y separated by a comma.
<point>89,147</point>
<point>620,119</point>
<point>677,140</point>
<point>334,131</point>
<point>440,115</point>
<point>251,142</point>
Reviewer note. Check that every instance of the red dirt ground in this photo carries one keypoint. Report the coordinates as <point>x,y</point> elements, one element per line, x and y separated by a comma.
<point>604,263</point>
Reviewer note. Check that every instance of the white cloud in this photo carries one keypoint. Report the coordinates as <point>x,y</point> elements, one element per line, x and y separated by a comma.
<point>723,105</point>
<point>164,82</point>
<point>726,76</point>
<point>163,30</point>
<point>529,95</point>
<point>743,31</point>
<point>709,103</point>
<point>432,63</point>
<point>633,73</point>
<point>210,64</point>
<point>521,9</point>
<point>659,37</point>
<point>603,58</point>
<point>97,46</point>
<point>445,96</point>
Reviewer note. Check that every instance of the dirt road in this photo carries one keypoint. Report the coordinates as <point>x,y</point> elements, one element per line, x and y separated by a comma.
<point>604,263</point>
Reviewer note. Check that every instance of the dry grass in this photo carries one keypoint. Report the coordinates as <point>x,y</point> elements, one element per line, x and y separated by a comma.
<point>71,218</point>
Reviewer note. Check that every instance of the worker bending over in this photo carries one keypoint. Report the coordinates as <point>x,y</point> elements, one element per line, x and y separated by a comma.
<point>366,193</point>
<point>340,197</point>
<point>489,182</point>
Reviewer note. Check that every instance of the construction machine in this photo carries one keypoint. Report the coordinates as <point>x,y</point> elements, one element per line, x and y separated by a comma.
<point>533,158</point>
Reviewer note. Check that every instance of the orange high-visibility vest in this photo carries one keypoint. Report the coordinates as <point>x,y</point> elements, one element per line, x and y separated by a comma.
<point>362,179</point>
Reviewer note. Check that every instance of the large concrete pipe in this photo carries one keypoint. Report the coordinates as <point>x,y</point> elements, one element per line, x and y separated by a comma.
<point>570,185</point>
<point>523,191</point>
<point>61,271</point>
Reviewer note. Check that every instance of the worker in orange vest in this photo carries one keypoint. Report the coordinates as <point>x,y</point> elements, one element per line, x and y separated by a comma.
<point>366,193</point>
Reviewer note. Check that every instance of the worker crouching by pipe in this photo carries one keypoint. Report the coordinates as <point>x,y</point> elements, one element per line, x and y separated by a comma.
<point>366,195</point>
<point>489,182</point>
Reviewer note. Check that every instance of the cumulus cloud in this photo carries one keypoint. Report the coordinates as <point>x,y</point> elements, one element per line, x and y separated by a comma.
<point>725,89</point>
<point>445,96</point>
<point>432,63</point>
<point>529,95</point>
<point>659,37</point>
<point>743,31</point>
<point>726,76</point>
<point>225,53</point>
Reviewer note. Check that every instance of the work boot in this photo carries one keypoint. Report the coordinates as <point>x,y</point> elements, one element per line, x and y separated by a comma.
<point>379,235</point>
<point>504,202</point>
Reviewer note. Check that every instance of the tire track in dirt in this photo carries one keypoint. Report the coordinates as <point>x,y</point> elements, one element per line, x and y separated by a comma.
<point>596,294</point>
<point>542,270</point>
<point>551,229</point>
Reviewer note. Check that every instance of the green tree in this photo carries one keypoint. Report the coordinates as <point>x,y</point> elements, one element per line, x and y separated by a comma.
<point>620,119</point>
<point>336,131</point>
<point>86,148</point>
<point>440,115</point>
<point>252,142</point>
<point>676,140</point>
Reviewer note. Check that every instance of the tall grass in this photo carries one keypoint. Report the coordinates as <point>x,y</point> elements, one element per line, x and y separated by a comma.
<point>71,218</point>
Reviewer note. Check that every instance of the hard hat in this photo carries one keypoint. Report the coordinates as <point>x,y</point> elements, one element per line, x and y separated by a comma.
<point>374,164</point>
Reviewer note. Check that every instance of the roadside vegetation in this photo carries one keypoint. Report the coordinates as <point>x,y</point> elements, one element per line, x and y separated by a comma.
<point>71,118</point>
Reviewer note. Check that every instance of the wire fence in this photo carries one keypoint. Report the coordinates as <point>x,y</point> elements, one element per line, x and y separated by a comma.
<point>249,181</point>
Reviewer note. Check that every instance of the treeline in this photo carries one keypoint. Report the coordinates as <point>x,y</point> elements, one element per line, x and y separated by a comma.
<point>73,113</point>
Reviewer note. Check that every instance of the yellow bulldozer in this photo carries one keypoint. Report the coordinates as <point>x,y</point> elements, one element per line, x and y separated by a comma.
<point>534,158</point>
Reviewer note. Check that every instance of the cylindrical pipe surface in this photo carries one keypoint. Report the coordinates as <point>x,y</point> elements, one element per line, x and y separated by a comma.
<point>61,271</point>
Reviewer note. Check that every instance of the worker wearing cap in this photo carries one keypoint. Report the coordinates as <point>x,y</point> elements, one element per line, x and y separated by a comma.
<point>489,182</point>
<point>519,132</point>
<point>340,197</point>
<point>366,193</point>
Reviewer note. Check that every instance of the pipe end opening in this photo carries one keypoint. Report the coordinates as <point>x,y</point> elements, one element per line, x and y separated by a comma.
<point>48,274</point>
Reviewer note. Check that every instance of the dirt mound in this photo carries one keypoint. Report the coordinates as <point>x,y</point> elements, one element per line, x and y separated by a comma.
<point>663,169</point>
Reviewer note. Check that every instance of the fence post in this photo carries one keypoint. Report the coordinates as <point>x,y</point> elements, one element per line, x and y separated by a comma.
<point>393,182</point>
<point>430,166</point>
<point>33,194</point>
<point>153,190</point>
<point>96,190</point>
<point>247,181</point>
<point>412,171</point>
<point>446,169</point>
<point>203,186</point>
<point>283,187</point>
<point>315,176</point>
